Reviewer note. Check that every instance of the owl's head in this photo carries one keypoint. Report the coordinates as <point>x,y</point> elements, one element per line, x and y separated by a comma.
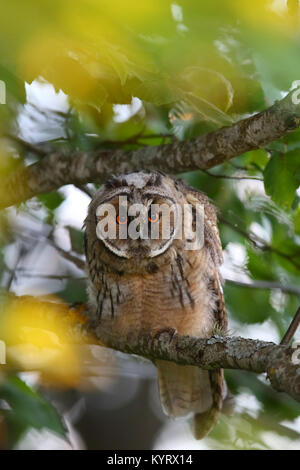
<point>134,220</point>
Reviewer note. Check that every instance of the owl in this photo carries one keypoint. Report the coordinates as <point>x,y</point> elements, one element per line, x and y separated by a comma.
<point>146,276</point>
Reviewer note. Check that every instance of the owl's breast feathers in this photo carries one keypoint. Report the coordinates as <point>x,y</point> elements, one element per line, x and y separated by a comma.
<point>181,295</point>
<point>187,296</point>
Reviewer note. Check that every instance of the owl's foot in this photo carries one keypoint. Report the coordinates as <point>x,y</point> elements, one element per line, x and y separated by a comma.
<point>156,333</point>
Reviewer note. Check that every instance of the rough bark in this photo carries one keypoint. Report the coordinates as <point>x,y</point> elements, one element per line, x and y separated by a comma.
<point>208,150</point>
<point>281,363</point>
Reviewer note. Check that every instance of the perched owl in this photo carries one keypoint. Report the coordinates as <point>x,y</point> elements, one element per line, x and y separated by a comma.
<point>141,283</point>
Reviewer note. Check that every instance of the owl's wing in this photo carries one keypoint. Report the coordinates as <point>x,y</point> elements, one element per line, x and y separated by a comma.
<point>220,310</point>
<point>213,244</point>
<point>211,232</point>
<point>204,422</point>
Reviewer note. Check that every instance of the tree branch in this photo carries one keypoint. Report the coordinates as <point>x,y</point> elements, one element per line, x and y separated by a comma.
<point>259,243</point>
<point>290,289</point>
<point>232,177</point>
<point>208,150</point>
<point>26,145</point>
<point>281,363</point>
<point>278,362</point>
<point>291,329</point>
<point>68,256</point>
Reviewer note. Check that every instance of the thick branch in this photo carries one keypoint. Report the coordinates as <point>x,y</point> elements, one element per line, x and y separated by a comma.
<point>78,168</point>
<point>281,363</point>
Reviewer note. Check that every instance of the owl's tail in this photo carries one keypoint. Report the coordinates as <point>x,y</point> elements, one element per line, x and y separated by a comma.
<point>189,391</point>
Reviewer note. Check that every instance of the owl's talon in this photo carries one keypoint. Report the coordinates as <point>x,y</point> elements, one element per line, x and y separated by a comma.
<point>160,331</point>
<point>147,338</point>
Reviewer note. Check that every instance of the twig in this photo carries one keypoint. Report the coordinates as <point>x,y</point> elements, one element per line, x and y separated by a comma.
<point>266,285</point>
<point>68,256</point>
<point>250,166</point>
<point>259,242</point>
<point>13,271</point>
<point>232,177</point>
<point>136,138</point>
<point>84,188</point>
<point>291,329</point>
<point>27,145</point>
<point>55,114</point>
<point>79,263</point>
<point>58,277</point>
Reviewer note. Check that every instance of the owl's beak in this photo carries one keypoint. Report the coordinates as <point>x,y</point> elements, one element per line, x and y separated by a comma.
<point>141,228</point>
<point>140,248</point>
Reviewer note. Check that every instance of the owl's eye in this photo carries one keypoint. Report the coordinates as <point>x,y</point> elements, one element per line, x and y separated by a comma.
<point>122,219</point>
<point>153,217</point>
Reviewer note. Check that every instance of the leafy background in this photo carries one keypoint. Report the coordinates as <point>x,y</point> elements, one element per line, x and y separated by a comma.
<point>113,74</point>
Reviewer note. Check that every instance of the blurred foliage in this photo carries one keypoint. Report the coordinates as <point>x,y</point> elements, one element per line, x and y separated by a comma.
<point>282,177</point>
<point>27,409</point>
<point>134,74</point>
<point>39,335</point>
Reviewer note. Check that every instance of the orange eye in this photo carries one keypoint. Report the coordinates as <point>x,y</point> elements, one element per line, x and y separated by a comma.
<point>154,219</point>
<point>123,220</point>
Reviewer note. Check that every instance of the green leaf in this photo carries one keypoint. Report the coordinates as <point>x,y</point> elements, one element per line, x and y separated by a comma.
<point>241,302</point>
<point>51,200</point>
<point>203,83</point>
<point>296,218</point>
<point>14,84</point>
<point>76,237</point>
<point>155,91</point>
<point>280,178</point>
<point>28,409</point>
<point>75,291</point>
<point>278,406</point>
<point>260,264</point>
<point>258,157</point>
